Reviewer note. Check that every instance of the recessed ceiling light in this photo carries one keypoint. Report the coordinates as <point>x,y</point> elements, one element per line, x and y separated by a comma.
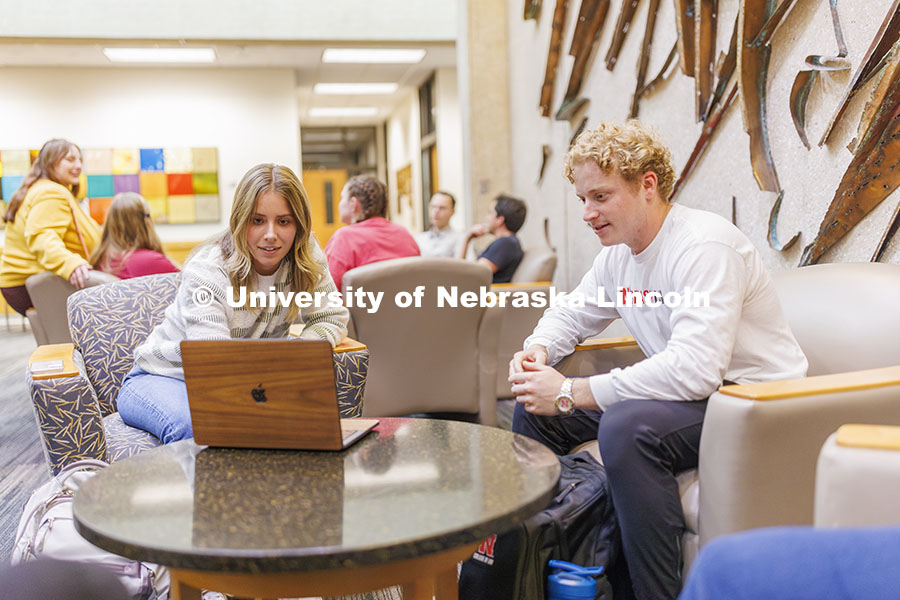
<point>354,88</point>
<point>157,55</point>
<point>373,55</point>
<point>343,111</point>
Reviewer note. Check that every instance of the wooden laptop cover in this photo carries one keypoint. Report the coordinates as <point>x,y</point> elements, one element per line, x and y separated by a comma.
<point>262,394</point>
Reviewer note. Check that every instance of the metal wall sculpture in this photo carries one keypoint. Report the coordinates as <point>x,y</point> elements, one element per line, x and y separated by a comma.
<point>874,171</point>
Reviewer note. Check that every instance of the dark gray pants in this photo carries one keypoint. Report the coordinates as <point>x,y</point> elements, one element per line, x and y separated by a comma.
<point>644,444</point>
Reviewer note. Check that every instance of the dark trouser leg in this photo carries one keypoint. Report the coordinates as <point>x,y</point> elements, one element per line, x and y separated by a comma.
<point>644,443</point>
<point>17,298</point>
<point>559,433</point>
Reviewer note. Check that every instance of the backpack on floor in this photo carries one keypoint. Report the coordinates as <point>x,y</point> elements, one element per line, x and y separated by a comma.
<point>578,526</point>
<point>47,529</point>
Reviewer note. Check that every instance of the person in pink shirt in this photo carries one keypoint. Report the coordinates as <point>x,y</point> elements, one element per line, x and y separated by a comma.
<point>369,236</point>
<point>129,246</point>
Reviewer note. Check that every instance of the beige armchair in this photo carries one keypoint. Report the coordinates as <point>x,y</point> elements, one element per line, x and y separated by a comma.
<point>760,442</point>
<point>537,264</point>
<point>49,293</point>
<point>430,359</point>
<point>858,477</point>
<point>534,274</point>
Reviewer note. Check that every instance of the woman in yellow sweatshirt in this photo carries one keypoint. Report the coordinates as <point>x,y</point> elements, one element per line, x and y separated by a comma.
<point>47,230</point>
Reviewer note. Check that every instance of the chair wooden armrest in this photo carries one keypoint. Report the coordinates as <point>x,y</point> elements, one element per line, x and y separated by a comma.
<point>520,286</point>
<point>600,355</point>
<point>851,381</point>
<point>64,353</point>
<point>349,345</point>
<point>610,342</point>
<point>880,437</point>
<point>758,459</point>
<point>858,477</point>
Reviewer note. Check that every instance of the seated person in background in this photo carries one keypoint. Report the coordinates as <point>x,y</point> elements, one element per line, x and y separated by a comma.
<point>369,236</point>
<point>505,253</point>
<point>269,245</point>
<point>798,563</point>
<point>439,239</point>
<point>48,230</point>
<point>129,246</point>
<point>648,417</point>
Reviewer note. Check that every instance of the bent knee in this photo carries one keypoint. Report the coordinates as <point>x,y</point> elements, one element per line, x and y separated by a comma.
<point>621,427</point>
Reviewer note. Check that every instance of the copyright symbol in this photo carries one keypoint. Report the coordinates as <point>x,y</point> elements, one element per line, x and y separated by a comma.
<point>202,297</point>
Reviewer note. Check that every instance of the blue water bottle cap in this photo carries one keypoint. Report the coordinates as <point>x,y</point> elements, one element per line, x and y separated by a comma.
<point>569,586</point>
<point>561,565</point>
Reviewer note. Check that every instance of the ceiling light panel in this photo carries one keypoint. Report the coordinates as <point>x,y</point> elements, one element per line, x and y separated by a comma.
<point>161,55</point>
<point>373,55</point>
<point>344,89</point>
<point>343,111</point>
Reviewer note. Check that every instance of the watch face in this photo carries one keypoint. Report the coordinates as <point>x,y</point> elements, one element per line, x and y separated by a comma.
<point>565,404</point>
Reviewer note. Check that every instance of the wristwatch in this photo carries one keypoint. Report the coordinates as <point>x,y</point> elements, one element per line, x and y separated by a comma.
<point>565,402</point>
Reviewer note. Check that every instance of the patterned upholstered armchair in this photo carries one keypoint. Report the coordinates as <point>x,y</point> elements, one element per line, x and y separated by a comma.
<point>75,406</point>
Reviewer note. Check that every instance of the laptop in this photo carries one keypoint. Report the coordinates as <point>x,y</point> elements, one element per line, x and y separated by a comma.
<point>277,394</point>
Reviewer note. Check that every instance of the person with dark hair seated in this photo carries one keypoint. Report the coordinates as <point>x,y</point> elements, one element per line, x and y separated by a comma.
<point>798,563</point>
<point>505,253</point>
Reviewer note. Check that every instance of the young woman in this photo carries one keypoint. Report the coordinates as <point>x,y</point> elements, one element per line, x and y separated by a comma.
<point>268,245</point>
<point>129,246</point>
<point>370,237</point>
<point>48,230</point>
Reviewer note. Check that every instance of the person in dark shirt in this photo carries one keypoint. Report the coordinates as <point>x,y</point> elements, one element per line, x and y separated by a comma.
<point>505,253</point>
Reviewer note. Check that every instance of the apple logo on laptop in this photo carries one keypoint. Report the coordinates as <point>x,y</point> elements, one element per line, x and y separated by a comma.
<point>259,394</point>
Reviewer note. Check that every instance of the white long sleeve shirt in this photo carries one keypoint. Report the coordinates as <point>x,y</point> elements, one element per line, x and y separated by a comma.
<point>742,335</point>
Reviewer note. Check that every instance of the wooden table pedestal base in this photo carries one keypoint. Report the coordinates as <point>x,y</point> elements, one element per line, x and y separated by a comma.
<point>422,578</point>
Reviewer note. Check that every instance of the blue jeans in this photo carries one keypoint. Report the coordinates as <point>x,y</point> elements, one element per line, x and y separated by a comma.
<point>156,404</point>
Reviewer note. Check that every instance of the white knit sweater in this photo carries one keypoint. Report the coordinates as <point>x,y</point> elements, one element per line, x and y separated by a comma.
<point>190,316</point>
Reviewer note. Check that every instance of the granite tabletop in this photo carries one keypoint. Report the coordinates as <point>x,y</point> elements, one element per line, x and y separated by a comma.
<point>411,487</point>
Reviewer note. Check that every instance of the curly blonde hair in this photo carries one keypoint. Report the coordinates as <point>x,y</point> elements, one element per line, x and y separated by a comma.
<point>631,148</point>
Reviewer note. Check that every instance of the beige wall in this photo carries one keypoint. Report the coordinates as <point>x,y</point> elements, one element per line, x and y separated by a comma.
<point>809,177</point>
<point>250,115</point>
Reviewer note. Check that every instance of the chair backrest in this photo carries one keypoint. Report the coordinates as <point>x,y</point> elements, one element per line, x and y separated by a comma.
<point>538,264</point>
<point>844,315</point>
<point>428,359</point>
<point>48,293</point>
<point>109,321</point>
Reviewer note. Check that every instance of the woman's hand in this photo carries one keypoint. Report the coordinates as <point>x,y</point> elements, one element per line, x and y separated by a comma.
<point>79,276</point>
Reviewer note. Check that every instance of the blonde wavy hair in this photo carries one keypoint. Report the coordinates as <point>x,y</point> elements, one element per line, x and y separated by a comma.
<point>127,228</point>
<point>631,148</point>
<point>305,272</point>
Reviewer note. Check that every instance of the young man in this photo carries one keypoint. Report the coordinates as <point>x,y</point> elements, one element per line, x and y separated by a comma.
<point>648,417</point>
<point>505,253</point>
<point>439,239</point>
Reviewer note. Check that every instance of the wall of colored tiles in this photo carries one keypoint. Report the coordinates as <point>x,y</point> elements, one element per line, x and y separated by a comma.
<point>180,184</point>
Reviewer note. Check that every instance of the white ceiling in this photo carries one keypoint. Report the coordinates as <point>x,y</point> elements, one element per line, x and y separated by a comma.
<point>304,58</point>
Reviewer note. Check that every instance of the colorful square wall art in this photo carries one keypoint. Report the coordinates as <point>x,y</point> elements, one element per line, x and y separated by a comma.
<point>181,184</point>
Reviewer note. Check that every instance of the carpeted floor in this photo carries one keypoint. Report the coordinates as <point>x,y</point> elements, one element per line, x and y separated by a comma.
<point>22,466</point>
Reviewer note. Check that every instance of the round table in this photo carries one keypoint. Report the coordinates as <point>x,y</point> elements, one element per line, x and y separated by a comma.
<point>402,506</point>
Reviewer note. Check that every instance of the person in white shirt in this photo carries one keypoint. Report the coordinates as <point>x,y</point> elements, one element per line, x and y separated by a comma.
<point>728,326</point>
<point>440,239</point>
